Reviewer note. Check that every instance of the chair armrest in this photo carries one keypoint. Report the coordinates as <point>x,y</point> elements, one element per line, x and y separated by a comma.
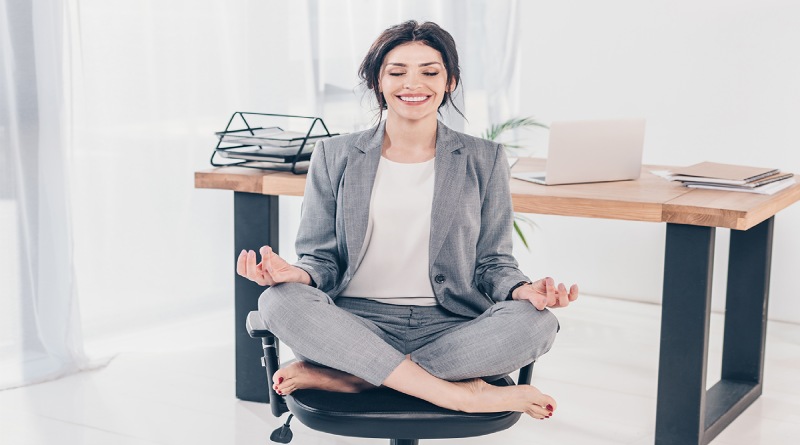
<point>256,327</point>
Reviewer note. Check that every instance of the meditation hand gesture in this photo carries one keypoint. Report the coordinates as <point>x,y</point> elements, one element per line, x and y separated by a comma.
<point>271,270</point>
<point>544,293</point>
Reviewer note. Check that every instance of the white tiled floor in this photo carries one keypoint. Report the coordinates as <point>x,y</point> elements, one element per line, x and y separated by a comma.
<point>174,385</point>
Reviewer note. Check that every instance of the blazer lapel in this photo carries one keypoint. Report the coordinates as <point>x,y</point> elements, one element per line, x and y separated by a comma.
<point>450,166</point>
<point>359,176</point>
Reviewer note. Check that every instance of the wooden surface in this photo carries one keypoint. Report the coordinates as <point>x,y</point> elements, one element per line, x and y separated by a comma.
<point>251,180</point>
<point>649,198</point>
<point>640,200</point>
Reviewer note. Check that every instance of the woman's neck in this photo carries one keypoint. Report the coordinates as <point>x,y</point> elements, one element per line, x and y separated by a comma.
<point>409,141</point>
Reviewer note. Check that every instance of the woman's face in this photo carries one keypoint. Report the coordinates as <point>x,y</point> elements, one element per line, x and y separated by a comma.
<point>413,81</point>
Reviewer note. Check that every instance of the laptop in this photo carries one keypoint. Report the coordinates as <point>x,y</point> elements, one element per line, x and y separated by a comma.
<point>591,151</point>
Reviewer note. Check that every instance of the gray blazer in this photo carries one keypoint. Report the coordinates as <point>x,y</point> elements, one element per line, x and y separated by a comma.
<point>471,266</point>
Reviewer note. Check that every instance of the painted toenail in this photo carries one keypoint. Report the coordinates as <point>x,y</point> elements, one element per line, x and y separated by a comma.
<point>280,380</point>
<point>549,407</point>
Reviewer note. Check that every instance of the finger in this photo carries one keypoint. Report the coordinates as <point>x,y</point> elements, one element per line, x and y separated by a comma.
<point>551,292</point>
<point>266,258</point>
<point>563,296</point>
<point>573,292</point>
<point>253,271</point>
<point>540,286</point>
<point>241,266</point>
<point>250,265</point>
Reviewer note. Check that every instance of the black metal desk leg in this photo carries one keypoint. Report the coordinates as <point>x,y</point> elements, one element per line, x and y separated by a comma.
<point>255,224</point>
<point>745,327</point>
<point>746,306</point>
<point>686,308</point>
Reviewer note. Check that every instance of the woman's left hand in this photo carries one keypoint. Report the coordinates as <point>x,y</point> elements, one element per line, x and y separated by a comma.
<point>544,293</point>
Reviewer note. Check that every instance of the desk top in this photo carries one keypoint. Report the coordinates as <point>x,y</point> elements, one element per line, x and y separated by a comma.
<point>649,198</point>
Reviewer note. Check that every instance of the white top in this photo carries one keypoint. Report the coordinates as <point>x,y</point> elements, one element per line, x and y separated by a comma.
<point>394,261</point>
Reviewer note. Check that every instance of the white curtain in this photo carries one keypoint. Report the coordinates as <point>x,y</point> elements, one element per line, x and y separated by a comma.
<point>340,33</point>
<point>109,107</point>
<point>39,317</point>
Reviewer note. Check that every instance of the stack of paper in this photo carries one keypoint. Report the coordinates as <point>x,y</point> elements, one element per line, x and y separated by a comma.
<point>271,144</point>
<point>739,178</point>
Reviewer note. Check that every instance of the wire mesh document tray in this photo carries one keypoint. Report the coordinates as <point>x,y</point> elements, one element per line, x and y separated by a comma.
<point>269,141</point>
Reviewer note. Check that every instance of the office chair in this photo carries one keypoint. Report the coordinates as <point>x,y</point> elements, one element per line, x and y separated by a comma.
<point>380,413</point>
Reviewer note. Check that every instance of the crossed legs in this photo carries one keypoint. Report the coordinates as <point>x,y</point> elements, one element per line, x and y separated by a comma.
<point>357,356</point>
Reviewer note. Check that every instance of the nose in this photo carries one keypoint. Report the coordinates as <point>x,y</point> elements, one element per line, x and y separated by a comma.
<point>412,81</point>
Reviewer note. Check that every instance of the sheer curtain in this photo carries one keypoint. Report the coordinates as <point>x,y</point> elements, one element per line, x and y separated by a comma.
<point>108,109</point>
<point>39,318</point>
<point>485,32</point>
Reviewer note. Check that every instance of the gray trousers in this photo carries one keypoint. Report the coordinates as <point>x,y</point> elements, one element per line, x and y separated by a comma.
<point>369,339</point>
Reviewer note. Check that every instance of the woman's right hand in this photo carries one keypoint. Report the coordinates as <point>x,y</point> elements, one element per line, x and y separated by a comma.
<point>271,270</point>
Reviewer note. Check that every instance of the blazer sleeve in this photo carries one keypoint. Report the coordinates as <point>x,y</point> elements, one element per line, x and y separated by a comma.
<point>316,244</point>
<point>496,269</point>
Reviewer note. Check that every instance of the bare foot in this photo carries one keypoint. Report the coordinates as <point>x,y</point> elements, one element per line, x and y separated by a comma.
<point>301,375</point>
<point>482,397</point>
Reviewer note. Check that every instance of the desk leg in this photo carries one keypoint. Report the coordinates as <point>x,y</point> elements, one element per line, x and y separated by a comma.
<point>686,412</point>
<point>745,327</point>
<point>686,309</point>
<point>255,224</point>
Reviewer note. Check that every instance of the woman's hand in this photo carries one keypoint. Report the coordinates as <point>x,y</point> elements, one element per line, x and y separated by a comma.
<point>271,270</point>
<point>544,293</point>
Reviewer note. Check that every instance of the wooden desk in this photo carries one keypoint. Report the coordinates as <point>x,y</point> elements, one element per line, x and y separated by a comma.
<point>687,413</point>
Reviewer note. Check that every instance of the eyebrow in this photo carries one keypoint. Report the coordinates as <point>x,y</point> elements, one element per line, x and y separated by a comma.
<point>405,65</point>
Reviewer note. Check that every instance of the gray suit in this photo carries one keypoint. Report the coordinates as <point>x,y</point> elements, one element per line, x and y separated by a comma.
<point>475,331</point>
<point>471,266</point>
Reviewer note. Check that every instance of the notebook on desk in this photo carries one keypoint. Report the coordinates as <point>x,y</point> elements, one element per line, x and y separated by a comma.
<point>591,151</point>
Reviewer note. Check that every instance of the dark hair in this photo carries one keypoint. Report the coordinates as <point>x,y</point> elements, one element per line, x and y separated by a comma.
<point>428,33</point>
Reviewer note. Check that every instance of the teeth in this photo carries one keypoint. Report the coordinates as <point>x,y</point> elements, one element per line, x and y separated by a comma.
<point>413,98</point>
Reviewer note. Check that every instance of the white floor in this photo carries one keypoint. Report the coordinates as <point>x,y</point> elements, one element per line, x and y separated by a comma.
<point>175,385</point>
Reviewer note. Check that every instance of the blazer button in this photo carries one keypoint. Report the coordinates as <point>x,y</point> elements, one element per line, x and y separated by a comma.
<point>439,278</point>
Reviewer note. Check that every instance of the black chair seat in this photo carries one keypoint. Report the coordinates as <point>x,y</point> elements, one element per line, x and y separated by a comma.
<point>385,413</point>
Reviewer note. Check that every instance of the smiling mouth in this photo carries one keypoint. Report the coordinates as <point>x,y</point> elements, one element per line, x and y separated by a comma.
<point>413,99</point>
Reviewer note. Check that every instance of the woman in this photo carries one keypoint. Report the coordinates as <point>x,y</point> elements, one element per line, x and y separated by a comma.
<point>405,276</point>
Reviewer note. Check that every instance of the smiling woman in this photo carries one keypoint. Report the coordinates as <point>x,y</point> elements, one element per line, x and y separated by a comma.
<point>405,264</point>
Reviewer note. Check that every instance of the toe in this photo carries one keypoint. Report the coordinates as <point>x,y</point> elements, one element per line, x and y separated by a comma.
<point>279,376</point>
<point>535,413</point>
<point>549,403</point>
<point>284,385</point>
<point>539,412</point>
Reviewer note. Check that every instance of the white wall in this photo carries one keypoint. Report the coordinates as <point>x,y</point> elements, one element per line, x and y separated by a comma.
<point>717,80</point>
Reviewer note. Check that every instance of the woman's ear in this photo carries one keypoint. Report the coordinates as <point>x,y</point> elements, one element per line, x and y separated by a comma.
<point>451,85</point>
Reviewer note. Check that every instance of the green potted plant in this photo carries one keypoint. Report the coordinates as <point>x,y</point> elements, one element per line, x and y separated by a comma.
<point>493,133</point>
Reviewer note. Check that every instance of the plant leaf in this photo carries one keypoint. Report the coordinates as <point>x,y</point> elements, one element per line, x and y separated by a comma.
<point>521,236</point>
<point>495,130</point>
